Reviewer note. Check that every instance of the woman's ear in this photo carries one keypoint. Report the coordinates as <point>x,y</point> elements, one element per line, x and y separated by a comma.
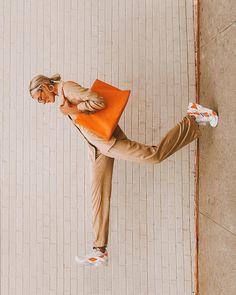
<point>46,88</point>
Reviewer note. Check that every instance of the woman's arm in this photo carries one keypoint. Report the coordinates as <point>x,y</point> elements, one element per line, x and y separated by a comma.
<point>87,101</point>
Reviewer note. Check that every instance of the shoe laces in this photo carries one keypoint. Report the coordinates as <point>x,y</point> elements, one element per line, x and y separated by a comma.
<point>200,115</point>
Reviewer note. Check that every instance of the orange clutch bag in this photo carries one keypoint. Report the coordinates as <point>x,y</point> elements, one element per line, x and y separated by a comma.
<point>103,122</point>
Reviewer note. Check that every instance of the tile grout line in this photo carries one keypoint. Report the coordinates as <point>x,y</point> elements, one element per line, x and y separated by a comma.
<point>209,217</point>
<point>218,33</point>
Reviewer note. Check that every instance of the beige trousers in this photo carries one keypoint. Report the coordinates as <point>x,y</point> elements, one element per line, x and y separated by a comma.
<point>183,133</point>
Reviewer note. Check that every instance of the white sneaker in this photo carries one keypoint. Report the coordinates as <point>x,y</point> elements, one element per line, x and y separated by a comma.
<point>203,115</point>
<point>96,258</point>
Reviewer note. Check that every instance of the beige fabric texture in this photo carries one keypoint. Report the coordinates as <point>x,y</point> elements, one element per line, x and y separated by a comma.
<point>125,149</point>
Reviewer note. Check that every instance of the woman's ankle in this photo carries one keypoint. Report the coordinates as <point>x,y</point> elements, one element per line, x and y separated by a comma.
<point>192,116</point>
<point>102,249</point>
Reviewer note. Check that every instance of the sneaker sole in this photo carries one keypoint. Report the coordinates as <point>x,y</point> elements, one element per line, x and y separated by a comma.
<point>214,121</point>
<point>97,263</point>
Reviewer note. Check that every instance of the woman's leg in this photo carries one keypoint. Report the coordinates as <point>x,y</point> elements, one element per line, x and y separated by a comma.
<point>102,170</point>
<point>182,134</point>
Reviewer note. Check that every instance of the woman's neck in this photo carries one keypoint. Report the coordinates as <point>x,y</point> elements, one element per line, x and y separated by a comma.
<point>58,87</point>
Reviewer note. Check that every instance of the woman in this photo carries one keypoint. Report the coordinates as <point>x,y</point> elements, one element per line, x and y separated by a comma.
<point>102,153</point>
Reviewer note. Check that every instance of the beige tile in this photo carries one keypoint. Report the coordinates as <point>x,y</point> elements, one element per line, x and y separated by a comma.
<point>215,16</point>
<point>218,145</point>
<point>145,46</point>
<point>217,258</point>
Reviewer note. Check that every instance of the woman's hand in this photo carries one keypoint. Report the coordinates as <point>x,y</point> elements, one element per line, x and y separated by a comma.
<point>68,108</point>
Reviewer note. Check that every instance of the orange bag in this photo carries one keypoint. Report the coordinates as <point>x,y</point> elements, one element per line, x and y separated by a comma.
<point>104,122</point>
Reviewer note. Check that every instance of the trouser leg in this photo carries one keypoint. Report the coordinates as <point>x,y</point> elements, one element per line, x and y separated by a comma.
<point>182,134</point>
<point>101,186</point>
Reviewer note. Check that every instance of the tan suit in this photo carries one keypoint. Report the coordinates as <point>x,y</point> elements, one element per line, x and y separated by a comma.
<point>102,153</point>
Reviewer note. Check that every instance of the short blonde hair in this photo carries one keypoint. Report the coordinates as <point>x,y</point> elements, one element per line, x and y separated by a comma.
<point>38,80</point>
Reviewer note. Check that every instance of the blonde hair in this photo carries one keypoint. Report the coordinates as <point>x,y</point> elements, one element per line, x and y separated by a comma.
<point>38,80</point>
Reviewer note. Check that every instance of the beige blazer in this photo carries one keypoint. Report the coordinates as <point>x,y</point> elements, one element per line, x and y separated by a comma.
<point>89,102</point>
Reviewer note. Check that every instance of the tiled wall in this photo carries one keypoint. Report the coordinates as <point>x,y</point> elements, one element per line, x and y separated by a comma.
<point>144,46</point>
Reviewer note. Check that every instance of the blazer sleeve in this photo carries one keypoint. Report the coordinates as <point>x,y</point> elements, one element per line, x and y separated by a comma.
<point>87,101</point>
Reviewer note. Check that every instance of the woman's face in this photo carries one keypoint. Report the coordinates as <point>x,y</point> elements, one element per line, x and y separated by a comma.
<point>43,95</point>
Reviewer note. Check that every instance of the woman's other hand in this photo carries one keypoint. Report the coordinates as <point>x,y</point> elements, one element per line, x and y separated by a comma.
<point>67,108</point>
